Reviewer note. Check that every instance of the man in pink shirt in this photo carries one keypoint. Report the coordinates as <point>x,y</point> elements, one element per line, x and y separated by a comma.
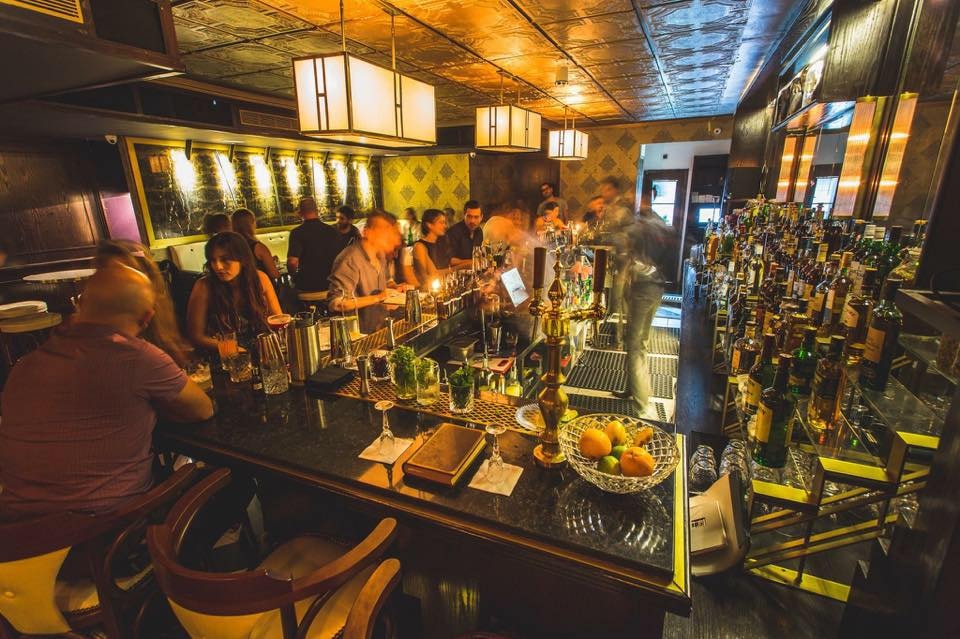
<point>79,412</point>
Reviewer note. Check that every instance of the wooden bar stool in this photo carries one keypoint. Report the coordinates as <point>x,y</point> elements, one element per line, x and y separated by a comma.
<point>308,587</point>
<point>34,600</point>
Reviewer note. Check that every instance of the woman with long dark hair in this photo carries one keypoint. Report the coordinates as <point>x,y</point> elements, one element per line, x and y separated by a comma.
<point>233,296</point>
<point>245,223</point>
<point>431,253</point>
<point>162,331</point>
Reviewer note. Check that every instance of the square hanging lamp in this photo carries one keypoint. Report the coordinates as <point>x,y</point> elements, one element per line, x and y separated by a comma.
<point>567,144</point>
<point>507,128</point>
<point>345,98</point>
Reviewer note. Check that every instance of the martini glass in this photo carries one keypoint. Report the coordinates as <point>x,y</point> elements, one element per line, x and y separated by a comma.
<point>387,439</point>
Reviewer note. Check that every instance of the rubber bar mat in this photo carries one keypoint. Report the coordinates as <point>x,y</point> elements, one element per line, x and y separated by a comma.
<point>601,379</point>
<point>589,403</point>
<point>665,341</point>
<point>670,298</point>
<point>663,365</point>
<point>602,359</point>
<point>661,386</point>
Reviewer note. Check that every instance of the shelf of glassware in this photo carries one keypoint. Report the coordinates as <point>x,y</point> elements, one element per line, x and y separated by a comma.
<point>902,412</point>
<point>923,348</point>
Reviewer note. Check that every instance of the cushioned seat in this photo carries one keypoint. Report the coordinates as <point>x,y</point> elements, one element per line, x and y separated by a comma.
<point>295,559</point>
<point>80,595</point>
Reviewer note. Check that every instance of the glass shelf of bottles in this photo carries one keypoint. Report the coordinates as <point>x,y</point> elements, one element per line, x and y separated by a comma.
<point>900,410</point>
<point>843,440</point>
<point>924,348</point>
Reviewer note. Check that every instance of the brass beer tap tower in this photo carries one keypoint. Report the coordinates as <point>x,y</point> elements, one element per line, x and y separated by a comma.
<point>556,327</point>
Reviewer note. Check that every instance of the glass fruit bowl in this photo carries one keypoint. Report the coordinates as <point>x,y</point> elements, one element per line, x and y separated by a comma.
<point>662,447</point>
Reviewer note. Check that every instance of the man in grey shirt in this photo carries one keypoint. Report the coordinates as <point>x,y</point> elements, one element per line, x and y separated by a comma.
<point>547,191</point>
<point>360,277</point>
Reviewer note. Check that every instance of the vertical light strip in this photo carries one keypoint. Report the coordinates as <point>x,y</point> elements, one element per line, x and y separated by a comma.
<point>184,173</point>
<point>899,136</point>
<point>851,175</point>
<point>226,176</point>
<point>791,147</point>
<point>319,183</point>
<point>803,171</point>
<point>262,178</point>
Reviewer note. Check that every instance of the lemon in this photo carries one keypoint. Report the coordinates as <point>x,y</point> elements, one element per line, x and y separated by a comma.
<point>594,444</point>
<point>617,433</point>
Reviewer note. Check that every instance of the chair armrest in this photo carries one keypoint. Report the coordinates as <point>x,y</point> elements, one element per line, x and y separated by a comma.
<point>341,569</point>
<point>362,618</point>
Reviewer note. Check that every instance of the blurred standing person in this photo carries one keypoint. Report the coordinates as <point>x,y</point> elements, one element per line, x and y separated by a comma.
<point>550,220</point>
<point>348,232</point>
<point>410,226</point>
<point>361,274</point>
<point>233,296</point>
<point>650,243</point>
<point>162,331</point>
<point>314,246</point>
<point>214,223</point>
<point>617,215</point>
<point>548,191</point>
<point>616,209</point>
<point>466,235</point>
<point>594,213</point>
<point>245,223</point>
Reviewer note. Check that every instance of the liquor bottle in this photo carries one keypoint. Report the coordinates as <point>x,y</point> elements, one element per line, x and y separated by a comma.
<point>852,362</point>
<point>837,297</point>
<point>774,424</point>
<point>796,319</point>
<point>824,401</point>
<point>745,350</point>
<point>856,313</point>
<point>890,257</point>
<point>761,375</point>
<point>804,363</point>
<point>881,343</point>
<point>819,298</point>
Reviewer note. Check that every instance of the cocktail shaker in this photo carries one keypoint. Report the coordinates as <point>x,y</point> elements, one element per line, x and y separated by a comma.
<point>363,367</point>
<point>340,346</point>
<point>303,348</point>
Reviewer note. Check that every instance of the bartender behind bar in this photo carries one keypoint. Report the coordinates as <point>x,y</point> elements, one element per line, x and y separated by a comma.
<point>360,278</point>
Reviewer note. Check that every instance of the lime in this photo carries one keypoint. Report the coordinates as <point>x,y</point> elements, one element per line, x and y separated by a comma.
<point>609,465</point>
<point>617,451</point>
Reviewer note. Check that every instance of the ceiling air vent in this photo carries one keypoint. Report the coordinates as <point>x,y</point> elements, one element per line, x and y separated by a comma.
<point>65,9</point>
<point>268,120</point>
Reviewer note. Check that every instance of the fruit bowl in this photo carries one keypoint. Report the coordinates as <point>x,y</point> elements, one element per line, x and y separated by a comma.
<point>662,447</point>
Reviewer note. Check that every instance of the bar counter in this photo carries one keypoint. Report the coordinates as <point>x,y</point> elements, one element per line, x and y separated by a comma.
<point>633,545</point>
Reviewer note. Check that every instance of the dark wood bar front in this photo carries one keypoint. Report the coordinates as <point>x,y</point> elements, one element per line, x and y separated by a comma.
<point>558,557</point>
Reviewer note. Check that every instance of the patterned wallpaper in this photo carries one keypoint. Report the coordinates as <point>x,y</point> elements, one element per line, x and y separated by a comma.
<point>426,182</point>
<point>615,150</point>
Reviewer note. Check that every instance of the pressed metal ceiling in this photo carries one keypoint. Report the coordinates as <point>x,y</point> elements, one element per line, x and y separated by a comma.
<point>627,60</point>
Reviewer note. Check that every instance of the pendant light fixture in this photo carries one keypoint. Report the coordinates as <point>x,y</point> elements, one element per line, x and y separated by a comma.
<point>567,144</point>
<point>345,98</point>
<point>506,127</point>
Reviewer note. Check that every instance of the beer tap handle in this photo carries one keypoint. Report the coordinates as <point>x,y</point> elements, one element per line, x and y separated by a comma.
<point>599,270</point>
<point>539,266</point>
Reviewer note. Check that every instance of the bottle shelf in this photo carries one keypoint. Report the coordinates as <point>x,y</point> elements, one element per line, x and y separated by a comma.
<point>901,411</point>
<point>924,348</point>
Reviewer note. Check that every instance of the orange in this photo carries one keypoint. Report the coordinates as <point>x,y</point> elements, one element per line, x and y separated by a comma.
<point>594,444</point>
<point>637,462</point>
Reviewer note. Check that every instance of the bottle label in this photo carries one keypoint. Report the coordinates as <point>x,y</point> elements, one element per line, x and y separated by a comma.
<point>764,423</point>
<point>816,305</point>
<point>753,393</point>
<point>735,360</point>
<point>831,294</point>
<point>873,348</point>
<point>807,290</point>
<point>850,317</point>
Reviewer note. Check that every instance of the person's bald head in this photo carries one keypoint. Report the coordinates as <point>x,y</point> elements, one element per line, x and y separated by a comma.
<point>118,296</point>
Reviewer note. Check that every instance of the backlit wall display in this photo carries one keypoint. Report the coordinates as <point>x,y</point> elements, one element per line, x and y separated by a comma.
<point>897,146</point>
<point>851,175</point>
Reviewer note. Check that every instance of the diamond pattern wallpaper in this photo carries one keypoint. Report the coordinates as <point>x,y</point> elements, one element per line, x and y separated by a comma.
<point>615,150</point>
<point>425,182</point>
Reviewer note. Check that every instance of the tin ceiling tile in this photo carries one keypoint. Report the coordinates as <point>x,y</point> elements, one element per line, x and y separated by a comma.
<point>245,57</point>
<point>726,38</point>
<point>688,15</point>
<point>243,18</point>
<point>315,42</point>
<point>269,81</point>
<point>584,32</point>
<point>193,36</point>
<point>555,10</point>
<point>633,51</point>
<point>325,12</point>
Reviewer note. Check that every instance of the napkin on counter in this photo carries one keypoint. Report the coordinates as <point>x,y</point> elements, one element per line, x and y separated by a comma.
<point>506,479</point>
<point>372,452</point>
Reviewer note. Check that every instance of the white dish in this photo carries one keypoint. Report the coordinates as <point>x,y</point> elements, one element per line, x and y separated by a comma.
<point>20,309</point>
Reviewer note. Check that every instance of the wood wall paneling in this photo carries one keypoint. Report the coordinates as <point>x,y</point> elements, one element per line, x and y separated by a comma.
<point>49,205</point>
<point>859,32</point>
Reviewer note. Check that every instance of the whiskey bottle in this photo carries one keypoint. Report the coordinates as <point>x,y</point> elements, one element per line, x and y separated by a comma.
<point>745,350</point>
<point>823,406</point>
<point>881,342</point>
<point>837,297</point>
<point>856,313</point>
<point>774,423</point>
<point>761,375</point>
<point>804,363</point>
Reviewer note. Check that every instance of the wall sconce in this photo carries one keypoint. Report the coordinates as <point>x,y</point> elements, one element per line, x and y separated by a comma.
<point>184,173</point>
<point>340,179</point>
<point>808,148</point>
<point>785,178</point>
<point>226,175</point>
<point>364,185</point>
<point>291,175</point>
<point>262,178</point>
<point>319,182</point>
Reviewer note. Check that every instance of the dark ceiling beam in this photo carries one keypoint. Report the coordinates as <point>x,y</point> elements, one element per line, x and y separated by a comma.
<point>655,54</point>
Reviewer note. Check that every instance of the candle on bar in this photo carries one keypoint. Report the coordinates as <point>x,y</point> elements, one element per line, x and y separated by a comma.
<point>435,286</point>
<point>599,270</point>
<point>539,265</point>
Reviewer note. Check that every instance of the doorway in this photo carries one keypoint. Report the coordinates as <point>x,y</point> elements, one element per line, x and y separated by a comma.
<point>669,202</point>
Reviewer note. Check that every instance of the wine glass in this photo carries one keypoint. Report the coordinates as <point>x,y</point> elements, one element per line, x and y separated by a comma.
<point>387,439</point>
<point>495,464</point>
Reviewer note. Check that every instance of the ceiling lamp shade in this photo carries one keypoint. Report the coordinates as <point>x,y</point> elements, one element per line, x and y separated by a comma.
<point>344,98</point>
<point>567,144</point>
<point>507,128</point>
